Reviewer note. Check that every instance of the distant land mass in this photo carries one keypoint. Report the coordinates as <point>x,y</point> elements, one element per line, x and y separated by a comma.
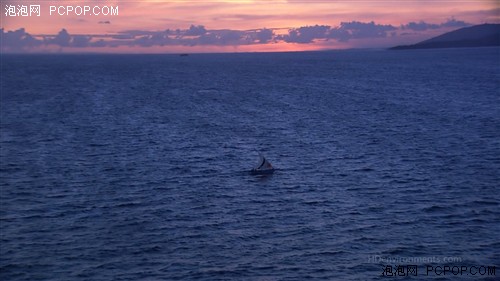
<point>482,35</point>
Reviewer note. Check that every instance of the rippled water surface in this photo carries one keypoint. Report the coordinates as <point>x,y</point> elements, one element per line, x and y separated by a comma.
<point>134,167</point>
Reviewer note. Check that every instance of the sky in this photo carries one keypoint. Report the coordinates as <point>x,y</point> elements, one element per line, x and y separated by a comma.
<point>157,26</point>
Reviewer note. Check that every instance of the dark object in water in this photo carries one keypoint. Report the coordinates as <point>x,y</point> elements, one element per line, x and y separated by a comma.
<point>263,167</point>
<point>261,172</point>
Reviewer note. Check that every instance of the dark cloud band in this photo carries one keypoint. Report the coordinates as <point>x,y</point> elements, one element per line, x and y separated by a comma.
<point>19,40</point>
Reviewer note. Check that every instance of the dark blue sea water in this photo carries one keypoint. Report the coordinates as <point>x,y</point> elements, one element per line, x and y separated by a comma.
<point>135,167</point>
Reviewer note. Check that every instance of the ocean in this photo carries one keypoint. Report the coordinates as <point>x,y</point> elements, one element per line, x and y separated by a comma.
<point>136,167</point>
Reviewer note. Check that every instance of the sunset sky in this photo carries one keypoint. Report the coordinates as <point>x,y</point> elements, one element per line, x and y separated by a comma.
<point>156,26</point>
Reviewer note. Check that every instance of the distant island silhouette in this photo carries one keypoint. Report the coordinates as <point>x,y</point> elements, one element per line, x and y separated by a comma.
<point>482,35</point>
